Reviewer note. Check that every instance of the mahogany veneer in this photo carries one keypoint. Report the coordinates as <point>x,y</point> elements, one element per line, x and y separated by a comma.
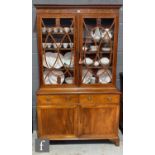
<point>78,111</point>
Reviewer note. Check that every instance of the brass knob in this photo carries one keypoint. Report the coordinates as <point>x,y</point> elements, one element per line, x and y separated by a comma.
<point>48,99</point>
<point>89,98</point>
<point>109,98</point>
<point>68,98</point>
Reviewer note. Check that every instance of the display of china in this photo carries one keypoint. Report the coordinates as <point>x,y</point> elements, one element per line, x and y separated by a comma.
<point>43,29</point>
<point>84,48</point>
<point>69,59</point>
<point>53,60</point>
<point>65,45</point>
<point>55,29</point>
<point>66,29</point>
<point>88,61</point>
<point>53,77</point>
<point>93,80</point>
<point>105,76</point>
<point>106,49</point>
<point>46,77</point>
<point>86,76</point>
<point>96,34</point>
<point>93,48</point>
<point>60,29</point>
<point>71,45</point>
<point>71,29</point>
<point>104,61</point>
<point>96,63</point>
<point>49,45</point>
<point>44,45</point>
<point>69,80</point>
<point>106,35</point>
<point>56,45</point>
<point>49,29</point>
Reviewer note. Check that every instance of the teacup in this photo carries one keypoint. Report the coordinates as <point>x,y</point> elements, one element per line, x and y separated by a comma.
<point>49,45</point>
<point>65,45</point>
<point>96,63</point>
<point>66,29</point>
<point>71,45</point>
<point>49,29</point>
<point>43,29</point>
<point>44,45</point>
<point>60,29</point>
<point>93,80</point>
<point>71,29</point>
<point>56,45</point>
<point>55,30</point>
<point>93,48</point>
<point>84,48</point>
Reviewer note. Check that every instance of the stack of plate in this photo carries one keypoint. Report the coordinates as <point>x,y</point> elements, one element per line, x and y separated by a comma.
<point>52,77</point>
<point>69,59</point>
<point>86,76</point>
<point>105,76</point>
<point>53,60</point>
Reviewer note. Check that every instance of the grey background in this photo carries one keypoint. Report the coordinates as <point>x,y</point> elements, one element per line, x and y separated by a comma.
<point>35,69</point>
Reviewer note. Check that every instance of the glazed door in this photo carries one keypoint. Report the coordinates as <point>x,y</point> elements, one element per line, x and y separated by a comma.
<point>57,49</point>
<point>57,121</point>
<point>98,121</point>
<point>98,47</point>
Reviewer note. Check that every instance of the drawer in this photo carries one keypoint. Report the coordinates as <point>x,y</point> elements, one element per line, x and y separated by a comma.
<point>56,99</point>
<point>94,99</point>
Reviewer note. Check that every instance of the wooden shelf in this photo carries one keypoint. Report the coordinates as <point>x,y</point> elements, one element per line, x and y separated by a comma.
<point>61,49</point>
<point>59,33</point>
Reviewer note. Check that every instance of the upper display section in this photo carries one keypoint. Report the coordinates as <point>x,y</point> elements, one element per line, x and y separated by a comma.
<point>77,45</point>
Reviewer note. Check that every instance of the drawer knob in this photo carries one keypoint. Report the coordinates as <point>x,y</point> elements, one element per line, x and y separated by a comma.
<point>109,98</point>
<point>48,99</point>
<point>89,98</point>
<point>68,98</point>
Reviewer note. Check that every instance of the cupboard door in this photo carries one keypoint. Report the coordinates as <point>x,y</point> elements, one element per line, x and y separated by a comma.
<point>57,47</point>
<point>98,47</point>
<point>99,121</point>
<point>57,122</point>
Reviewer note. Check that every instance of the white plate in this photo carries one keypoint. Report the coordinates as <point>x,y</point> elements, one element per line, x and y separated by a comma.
<point>86,76</point>
<point>68,60</point>
<point>69,80</point>
<point>106,49</point>
<point>53,77</point>
<point>88,61</point>
<point>104,61</point>
<point>104,76</point>
<point>46,78</point>
<point>51,58</point>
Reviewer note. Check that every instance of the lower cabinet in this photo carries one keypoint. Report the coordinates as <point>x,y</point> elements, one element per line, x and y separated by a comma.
<point>90,117</point>
<point>57,121</point>
<point>99,121</point>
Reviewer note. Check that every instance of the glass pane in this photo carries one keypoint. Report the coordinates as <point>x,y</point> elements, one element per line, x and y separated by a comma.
<point>58,51</point>
<point>97,50</point>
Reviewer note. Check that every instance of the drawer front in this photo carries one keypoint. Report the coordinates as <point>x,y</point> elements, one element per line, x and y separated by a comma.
<point>56,99</point>
<point>95,99</point>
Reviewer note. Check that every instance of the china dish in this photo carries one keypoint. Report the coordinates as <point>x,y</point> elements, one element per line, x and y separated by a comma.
<point>68,59</point>
<point>93,48</point>
<point>88,61</point>
<point>104,76</point>
<point>53,60</point>
<point>106,49</point>
<point>104,61</point>
<point>69,80</point>
<point>53,77</point>
<point>66,29</point>
<point>86,76</point>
